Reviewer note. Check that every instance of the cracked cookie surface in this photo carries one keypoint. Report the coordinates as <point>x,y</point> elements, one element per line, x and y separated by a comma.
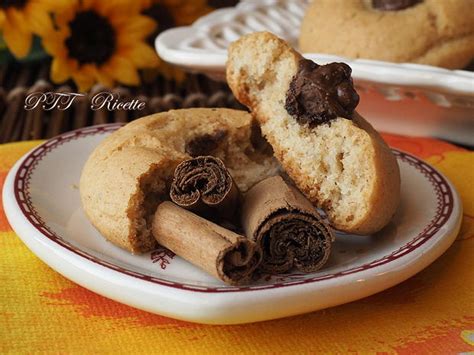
<point>432,32</point>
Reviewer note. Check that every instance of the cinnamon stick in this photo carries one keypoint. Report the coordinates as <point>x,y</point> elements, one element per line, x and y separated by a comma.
<point>288,228</point>
<point>204,185</point>
<point>222,253</point>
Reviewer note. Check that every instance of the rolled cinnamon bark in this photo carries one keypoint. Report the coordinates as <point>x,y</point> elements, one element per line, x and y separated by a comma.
<point>219,251</point>
<point>287,226</point>
<point>204,185</point>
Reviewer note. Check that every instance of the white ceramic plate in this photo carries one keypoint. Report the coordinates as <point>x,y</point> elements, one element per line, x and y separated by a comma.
<point>403,98</point>
<point>42,203</point>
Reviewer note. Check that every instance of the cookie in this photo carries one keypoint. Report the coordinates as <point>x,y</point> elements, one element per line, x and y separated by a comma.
<point>434,32</point>
<point>129,173</point>
<point>306,112</point>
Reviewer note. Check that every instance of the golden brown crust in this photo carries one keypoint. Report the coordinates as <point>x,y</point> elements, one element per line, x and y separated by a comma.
<point>352,28</point>
<point>385,196</point>
<point>263,90</point>
<point>126,176</point>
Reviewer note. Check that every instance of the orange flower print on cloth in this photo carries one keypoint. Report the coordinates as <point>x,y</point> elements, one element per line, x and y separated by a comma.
<point>99,41</point>
<point>468,336</point>
<point>430,313</point>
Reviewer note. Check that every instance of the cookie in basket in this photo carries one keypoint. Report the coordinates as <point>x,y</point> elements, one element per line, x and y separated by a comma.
<point>433,32</point>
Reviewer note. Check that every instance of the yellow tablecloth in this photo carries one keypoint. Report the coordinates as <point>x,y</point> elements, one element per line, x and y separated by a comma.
<point>433,312</point>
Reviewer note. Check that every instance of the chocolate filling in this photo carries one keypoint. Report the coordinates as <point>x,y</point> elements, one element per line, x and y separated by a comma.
<point>320,93</point>
<point>394,5</point>
<point>205,144</point>
<point>205,186</point>
<point>291,238</point>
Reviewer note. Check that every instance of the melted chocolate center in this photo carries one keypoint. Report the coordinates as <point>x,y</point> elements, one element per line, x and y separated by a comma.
<point>318,94</point>
<point>394,5</point>
<point>205,144</point>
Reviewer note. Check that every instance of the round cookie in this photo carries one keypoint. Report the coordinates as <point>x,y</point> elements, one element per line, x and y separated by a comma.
<point>306,112</point>
<point>128,174</point>
<point>433,32</point>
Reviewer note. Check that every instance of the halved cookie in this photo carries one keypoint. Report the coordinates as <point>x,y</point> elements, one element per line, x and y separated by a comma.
<point>306,112</point>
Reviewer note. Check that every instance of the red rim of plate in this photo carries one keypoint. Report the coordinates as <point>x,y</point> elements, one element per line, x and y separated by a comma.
<point>444,210</point>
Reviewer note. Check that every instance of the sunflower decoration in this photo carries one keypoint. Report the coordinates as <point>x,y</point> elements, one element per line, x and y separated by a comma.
<point>167,14</point>
<point>21,19</point>
<point>170,13</point>
<point>99,41</point>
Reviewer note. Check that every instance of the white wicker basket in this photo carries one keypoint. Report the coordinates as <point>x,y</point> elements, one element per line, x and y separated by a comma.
<point>400,98</point>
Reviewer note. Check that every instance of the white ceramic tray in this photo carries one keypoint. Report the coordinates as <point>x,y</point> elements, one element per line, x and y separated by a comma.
<point>407,99</point>
<point>42,203</point>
